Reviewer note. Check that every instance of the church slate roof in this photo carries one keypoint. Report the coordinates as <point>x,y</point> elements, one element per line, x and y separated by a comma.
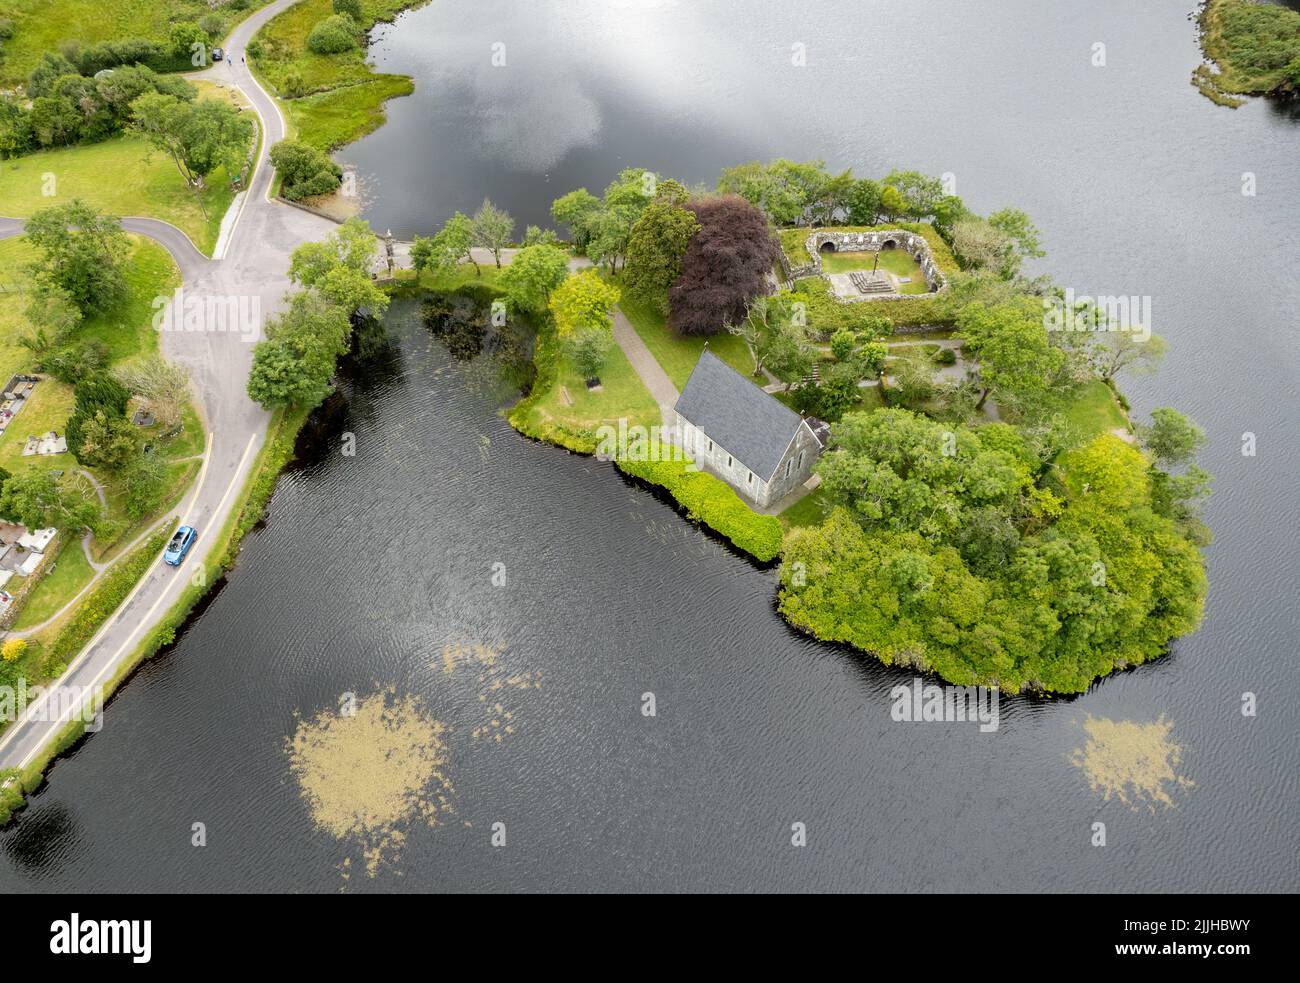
<point>753,426</point>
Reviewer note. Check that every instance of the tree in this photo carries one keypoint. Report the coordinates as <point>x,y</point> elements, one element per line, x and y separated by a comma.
<point>1118,351</point>
<point>843,342</point>
<point>294,366</point>
<point>588,349</point>
<point>53,316</point>
<point>162,388</point>
<point>912,378</point>
<point>16,134</point>
<point>784,350</point>
<point>493,228</point>
<point>37,500</point>
<point>863,202</point>
<point>871,359</point>
<point>54,121</point>
<point>789,192</point>
<point>582,302</point>
<point>339,268</point>
<point>533,274</point>
<point>1015,357</point>
<point>1173,438</point>
<point>198,136</point>
<point>189,41</point>
<point>144,480</point>
<point>536,236</point>
<point>574,210</point>
<point>100,391</point>
<point>104,440</point>
<point>979,245</point>
<point>82,253</point>
<point>899,470</point>
<point>921,194</point>
<point>333,35</point>
<point>350,7</point>
<point>830,398</point>
<point>655,249</point>
<point>892,203</point>
<point>1021,236</point>
<point>439,254</point>
<point>304,171</point>
<point>728,262</point>
<point>48,70</point>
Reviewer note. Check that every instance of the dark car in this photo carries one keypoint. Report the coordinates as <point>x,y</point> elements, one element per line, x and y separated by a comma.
<point>218,54</point>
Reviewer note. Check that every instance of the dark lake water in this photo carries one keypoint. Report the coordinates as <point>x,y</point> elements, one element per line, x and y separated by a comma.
<point>370,565</point>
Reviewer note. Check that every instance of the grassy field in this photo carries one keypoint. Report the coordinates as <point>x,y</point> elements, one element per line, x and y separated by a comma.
<point>546,413</point>
<point>1095,411</point>
<point>71,573</point>
<point>895,261</point>
<point>334,99</point>
<point>41,25</point>
<point>808,511</point>
<point>127,331</point>
<point>119,176</point>
<point>678,354</point>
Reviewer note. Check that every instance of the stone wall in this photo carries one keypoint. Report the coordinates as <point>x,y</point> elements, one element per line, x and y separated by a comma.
<point>870,242</point>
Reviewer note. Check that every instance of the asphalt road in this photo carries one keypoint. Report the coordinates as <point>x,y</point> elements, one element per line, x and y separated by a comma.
<point>251,282</point>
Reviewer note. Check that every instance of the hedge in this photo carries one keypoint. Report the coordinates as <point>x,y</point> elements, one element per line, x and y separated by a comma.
<point>104,600</point>
<point>712,502</point>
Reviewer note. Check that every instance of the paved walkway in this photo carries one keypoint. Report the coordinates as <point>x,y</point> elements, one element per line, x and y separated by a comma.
<point>652,374</point>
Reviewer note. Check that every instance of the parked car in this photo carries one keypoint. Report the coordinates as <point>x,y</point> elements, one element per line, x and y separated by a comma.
<point>217,54</point>
<point>180,545</point>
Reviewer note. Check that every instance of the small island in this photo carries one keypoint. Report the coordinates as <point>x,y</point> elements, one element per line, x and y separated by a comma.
<point>1254,49</point>
<point>855,377</point>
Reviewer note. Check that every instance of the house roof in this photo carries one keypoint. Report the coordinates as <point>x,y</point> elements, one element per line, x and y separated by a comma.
<point>754,427</point>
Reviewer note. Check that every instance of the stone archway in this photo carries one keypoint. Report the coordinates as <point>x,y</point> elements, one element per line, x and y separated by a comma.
<point>889,244</point>
<point>827,247</point>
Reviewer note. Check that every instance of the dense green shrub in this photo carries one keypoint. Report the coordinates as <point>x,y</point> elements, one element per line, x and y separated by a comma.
<point>334,35</point>
<point>104,599</point>
<point>304,171</point>
<point>712,502</point>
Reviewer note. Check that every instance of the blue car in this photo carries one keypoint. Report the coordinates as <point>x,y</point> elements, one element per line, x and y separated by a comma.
<point>180,545</point>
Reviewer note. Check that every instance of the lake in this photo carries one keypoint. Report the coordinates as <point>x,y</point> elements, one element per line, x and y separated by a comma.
<point>530,595</point>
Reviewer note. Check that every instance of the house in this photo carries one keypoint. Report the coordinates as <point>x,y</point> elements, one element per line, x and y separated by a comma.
<point>750,439</point>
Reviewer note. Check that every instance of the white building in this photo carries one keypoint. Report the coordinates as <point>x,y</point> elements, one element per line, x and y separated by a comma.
<point>747,437</point>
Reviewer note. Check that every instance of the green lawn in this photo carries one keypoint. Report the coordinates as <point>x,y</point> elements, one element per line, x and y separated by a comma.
<point>677,354</point>
<point>41,25</point>
<point>71,573</point>
<point>331,100</point>
<point>895,261</point>
<point>808,511</point>
<point>15,253</point>
<point>48,409</point>
<point>547,415</point>
<point>120,177</point>
<point>1095,410</point>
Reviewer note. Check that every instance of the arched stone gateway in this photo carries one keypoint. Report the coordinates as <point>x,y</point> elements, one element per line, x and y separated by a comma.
<point>824,242</point>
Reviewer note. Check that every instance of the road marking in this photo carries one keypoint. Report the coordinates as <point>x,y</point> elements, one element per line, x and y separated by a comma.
<point>108,622</point>
<point>113,662</point>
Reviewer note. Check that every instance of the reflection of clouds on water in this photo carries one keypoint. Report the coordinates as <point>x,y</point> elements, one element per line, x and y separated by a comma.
<point>539,106</point>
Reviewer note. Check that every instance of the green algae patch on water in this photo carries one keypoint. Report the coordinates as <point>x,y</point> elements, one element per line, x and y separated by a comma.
<point>1133,762</point>
<point>371,771</point>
